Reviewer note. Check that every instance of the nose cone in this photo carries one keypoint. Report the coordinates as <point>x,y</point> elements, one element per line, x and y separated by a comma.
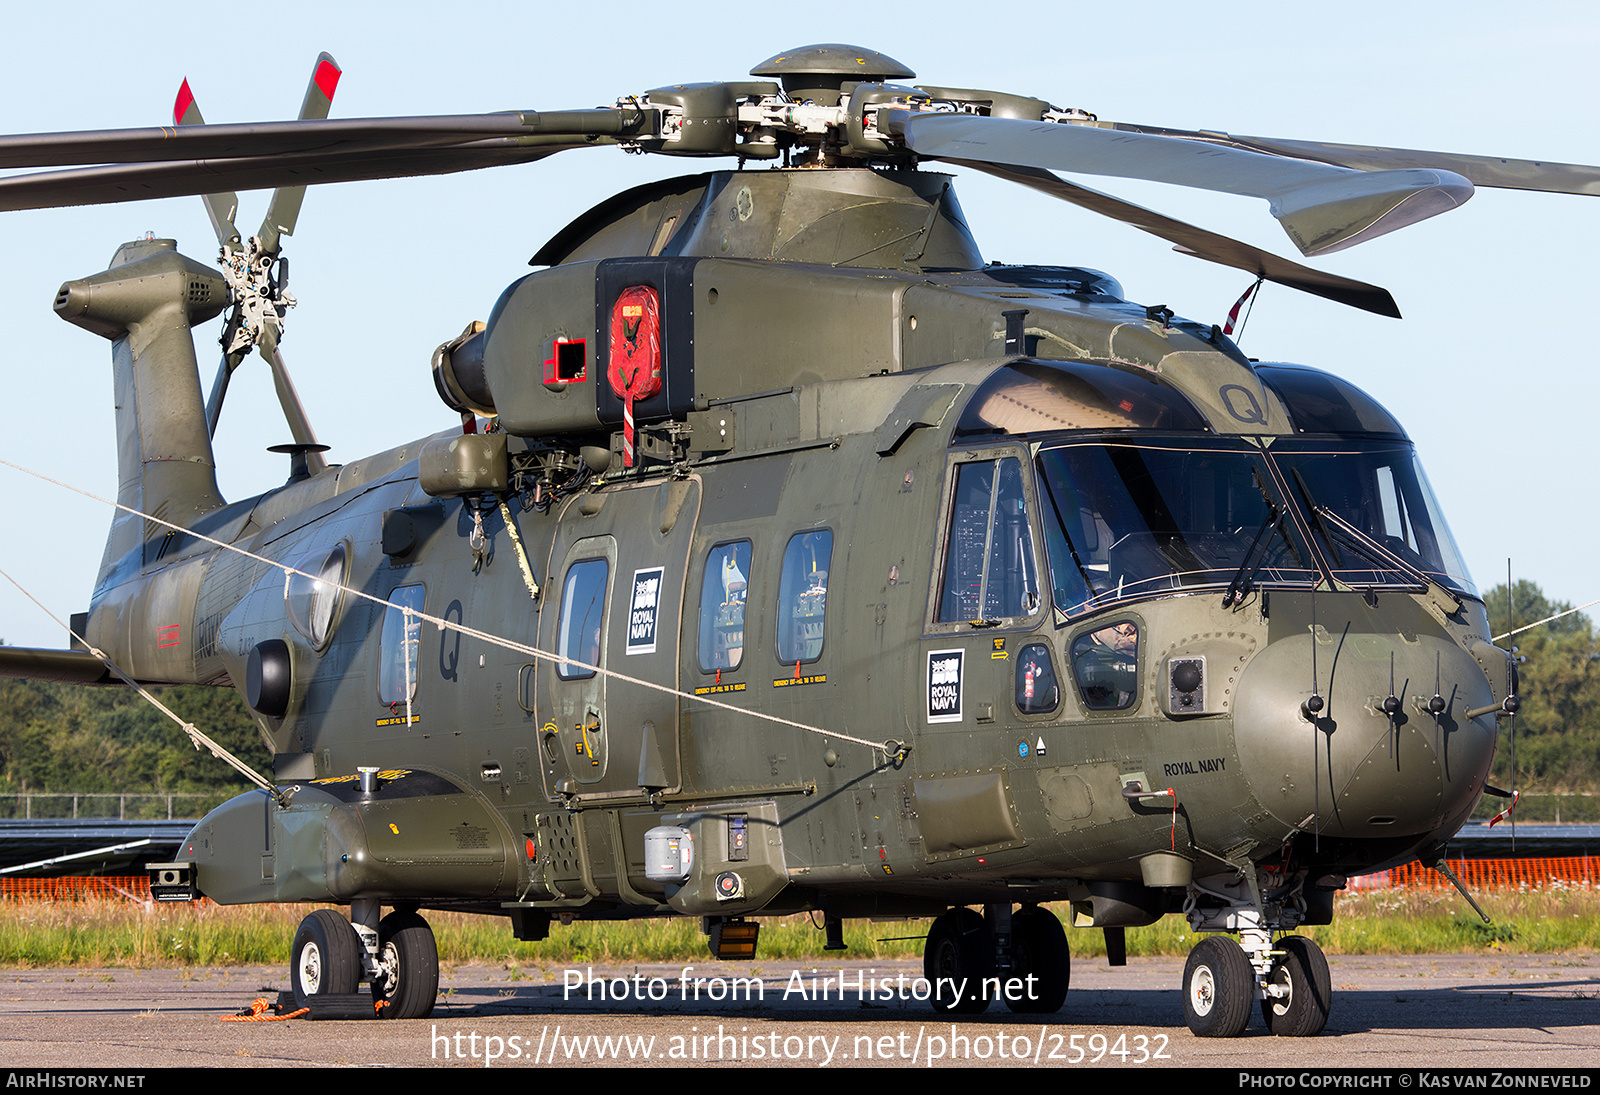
<point>1358,772</point>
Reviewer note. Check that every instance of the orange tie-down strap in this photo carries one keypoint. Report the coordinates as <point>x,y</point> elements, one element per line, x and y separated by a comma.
<point>260,1012</point>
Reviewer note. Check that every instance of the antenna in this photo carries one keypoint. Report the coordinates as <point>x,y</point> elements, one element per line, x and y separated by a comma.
<point>1511,685</point>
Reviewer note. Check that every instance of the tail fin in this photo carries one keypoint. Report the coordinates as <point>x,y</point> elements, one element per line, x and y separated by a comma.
<point>145,303</point>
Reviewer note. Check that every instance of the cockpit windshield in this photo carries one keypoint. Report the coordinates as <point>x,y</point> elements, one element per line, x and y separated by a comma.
<point>1378,489</point>
<point>1127,519</point>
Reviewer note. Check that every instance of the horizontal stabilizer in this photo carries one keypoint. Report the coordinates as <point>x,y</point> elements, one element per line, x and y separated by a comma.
<point>63,666</point>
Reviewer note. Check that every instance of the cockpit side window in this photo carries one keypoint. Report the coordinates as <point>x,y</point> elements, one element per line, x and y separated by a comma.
<point>1105,663</point>
<point>989,570</point>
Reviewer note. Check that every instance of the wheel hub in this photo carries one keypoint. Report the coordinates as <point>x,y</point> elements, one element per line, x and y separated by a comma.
<point>1280,990</point>
<point>388,971</point>
<point>1203,991</point>
<point>311,969</point>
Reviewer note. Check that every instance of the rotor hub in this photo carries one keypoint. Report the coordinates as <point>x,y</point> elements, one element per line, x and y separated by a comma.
<point>818,72</point>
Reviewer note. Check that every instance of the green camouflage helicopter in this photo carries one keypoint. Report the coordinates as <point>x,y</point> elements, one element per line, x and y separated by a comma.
<point>790,557</point>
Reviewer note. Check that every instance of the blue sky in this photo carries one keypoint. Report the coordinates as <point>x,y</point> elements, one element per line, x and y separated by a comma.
<point>1492,371</point>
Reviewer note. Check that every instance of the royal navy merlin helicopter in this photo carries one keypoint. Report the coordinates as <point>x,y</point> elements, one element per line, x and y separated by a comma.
<point>789,557</point>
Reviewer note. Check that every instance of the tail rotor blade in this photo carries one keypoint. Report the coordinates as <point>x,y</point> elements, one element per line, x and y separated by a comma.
<point>219,390</point>
<point>220,207</point>
<point>284,208</point>
<point>293,411</point>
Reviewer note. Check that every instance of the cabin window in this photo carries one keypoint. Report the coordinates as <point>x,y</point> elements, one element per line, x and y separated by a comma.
<point>397,645</point>
<point>1106,664</point>
<point>989,571</point>
<point>583,602</point>
<point>312,596</point>
<point>1037,691</point>
<point>722,601</point>
<point>803,596</point>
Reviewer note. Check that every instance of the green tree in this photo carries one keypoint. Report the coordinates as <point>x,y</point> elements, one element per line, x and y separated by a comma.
<point>56,737</point>
<point>1557,729</point>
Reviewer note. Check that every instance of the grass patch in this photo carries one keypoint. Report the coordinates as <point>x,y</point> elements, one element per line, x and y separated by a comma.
<point>122,933</point>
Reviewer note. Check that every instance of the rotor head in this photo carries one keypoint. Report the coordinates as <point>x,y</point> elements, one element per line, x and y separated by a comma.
<point>819,72</point>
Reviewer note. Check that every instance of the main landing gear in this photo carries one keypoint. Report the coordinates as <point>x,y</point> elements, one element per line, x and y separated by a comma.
<point>1020,957</point>
<point>397,956</point>
<point>1222,978</point>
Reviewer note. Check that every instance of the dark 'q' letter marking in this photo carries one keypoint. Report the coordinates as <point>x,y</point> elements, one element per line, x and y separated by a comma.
<point>1252,414</point>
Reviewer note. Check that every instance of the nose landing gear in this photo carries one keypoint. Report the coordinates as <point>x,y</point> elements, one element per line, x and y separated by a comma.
<point>325,959</point>
<point>408,963</point>
<point>1222,977</point>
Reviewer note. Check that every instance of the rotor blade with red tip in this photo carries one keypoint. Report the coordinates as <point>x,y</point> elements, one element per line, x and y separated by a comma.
<point>220,206</point>
<point>284,209</point>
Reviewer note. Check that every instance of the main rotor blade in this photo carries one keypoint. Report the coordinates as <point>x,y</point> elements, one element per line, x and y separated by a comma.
<point>221,206</point>
<point>284,209</point>
<point>1323,208</point>
<point>1496,171</point>
<point>1201,243</point>
<point>332,138</point>
<point>141,181</point>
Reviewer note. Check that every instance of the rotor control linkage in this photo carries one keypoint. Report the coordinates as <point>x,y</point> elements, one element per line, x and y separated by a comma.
<point>261,297</point>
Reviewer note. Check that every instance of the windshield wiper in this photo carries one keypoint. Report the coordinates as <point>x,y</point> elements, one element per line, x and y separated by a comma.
<point>1365,545</point>
<point>1316,512</point>
<point>1244,577</point>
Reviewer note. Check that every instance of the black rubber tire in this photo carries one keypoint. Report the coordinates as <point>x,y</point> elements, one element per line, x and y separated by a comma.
<point>1304,1012</point>
<point>325,959</point>
<point>1039,948</point>
<point>958,949</point>
<point>1218,988</point>
<point>409,956</point>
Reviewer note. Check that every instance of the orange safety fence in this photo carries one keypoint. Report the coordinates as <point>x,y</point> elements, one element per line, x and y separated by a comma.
<point>132,887</point>
<point>1476,874</point>
<point>1492,874</point>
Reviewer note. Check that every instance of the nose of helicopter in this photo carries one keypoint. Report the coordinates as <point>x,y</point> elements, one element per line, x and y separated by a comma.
<point>1361,767</point>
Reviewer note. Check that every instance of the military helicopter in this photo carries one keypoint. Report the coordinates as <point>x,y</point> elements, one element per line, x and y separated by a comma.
<point>789,557</point>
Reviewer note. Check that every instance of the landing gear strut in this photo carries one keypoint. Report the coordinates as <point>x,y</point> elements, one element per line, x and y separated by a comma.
<point>1021,957</point>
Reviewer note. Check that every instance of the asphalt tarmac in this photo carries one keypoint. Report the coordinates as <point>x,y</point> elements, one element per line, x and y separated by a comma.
<point>1412,1014</point>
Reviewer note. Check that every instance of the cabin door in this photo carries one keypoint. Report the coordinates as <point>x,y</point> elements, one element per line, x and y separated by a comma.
<point>619,560</point>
